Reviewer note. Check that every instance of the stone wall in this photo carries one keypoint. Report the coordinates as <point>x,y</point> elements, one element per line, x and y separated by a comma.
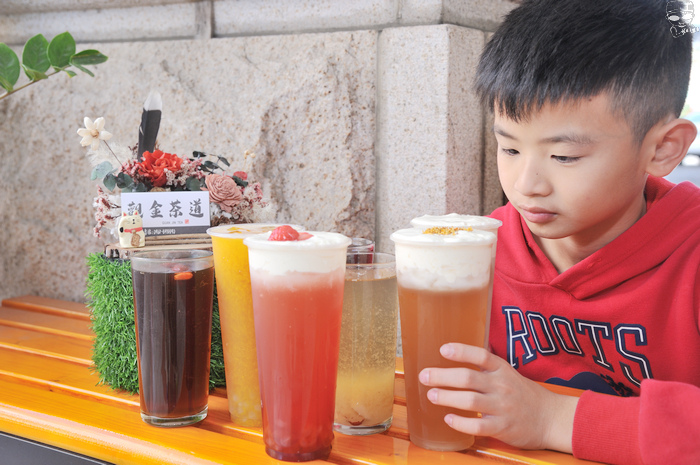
<point>360,114</point>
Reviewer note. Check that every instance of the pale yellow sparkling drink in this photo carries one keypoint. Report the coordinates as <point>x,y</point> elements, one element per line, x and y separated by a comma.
<point>365,389</point>
<point>236,315</point>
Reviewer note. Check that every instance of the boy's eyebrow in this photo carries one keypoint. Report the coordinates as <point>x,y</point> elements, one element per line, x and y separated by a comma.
<point>569,138</point>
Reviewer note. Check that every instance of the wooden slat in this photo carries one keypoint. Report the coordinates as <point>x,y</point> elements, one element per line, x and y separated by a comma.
<point>106,432</point>
<point>30,369</point>
<point>29,339</point>
<point>50,394</point>
<point>49,306</point>
<point>9,315</point>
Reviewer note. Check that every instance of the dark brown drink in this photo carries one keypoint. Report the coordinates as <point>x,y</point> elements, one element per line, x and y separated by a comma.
<point>173,305</point>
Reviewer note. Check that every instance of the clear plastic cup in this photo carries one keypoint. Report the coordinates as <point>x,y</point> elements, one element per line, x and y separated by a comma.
<point>297,291</point>
<point>236,316</point>
<point>173,296</point>
<point>364,399</point>
<point>444,283</point>
<point>455,220</point>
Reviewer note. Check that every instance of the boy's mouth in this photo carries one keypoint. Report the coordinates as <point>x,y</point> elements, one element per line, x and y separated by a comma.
<point>536,215</point>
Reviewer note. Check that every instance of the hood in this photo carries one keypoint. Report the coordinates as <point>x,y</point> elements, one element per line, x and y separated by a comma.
<point>672,219</point>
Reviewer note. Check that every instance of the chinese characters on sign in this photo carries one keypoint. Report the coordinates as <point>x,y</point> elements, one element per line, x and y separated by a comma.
<point>166,213</point>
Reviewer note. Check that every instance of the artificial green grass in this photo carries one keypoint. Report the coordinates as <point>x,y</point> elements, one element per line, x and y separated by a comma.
<point>109,295</point>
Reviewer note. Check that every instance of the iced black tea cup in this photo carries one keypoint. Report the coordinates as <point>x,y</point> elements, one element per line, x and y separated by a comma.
<point>173,296</point>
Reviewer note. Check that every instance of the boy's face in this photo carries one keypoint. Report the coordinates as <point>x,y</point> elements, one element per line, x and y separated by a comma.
<point>573,171</point>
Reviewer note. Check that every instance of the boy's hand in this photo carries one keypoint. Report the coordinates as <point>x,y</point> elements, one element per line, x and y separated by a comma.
<point>514,409</point>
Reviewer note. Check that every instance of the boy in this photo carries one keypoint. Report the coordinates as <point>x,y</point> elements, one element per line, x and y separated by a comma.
<point>597,280</point>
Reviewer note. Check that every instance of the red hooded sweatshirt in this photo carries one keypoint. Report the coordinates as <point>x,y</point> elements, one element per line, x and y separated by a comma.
<point>623,324</point>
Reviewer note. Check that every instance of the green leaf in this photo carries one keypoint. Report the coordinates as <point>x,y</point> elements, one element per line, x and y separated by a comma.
<point>210,165</point>
<point>101,170</point>
<point>60,51</point>
<point>70,73</point>
<point>140,187</point>
<point>240,181</point>
<point>124,181</point>
<point>88,57</point>
<point>110,182</point>
<point>84,70</point>
<point>193,184</point>
<point>224,160</point>
<point>9,67</point>
<point>34,75</point>
<point>35,59</point>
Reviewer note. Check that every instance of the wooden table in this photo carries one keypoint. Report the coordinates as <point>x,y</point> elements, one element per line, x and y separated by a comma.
<point>50,393</point>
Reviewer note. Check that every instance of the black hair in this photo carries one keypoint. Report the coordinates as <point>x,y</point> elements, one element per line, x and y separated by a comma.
<point>552,51</point>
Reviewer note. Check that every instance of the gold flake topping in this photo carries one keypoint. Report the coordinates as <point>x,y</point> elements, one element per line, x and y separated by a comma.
<point>445,230</point>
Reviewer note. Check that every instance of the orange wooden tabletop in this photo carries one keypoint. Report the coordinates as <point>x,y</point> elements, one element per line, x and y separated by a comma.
<point>50,393</point>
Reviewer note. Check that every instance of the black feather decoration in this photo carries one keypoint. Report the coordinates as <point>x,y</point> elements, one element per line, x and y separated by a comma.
<point>150,122</point>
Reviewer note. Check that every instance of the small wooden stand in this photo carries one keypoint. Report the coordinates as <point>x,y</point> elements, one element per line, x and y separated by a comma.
<point>176,241</point>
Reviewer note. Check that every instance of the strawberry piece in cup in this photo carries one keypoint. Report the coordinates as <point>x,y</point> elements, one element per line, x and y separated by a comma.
<point>287,233</point>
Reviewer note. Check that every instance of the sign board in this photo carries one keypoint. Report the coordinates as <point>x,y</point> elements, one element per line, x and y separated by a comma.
<point>167,213</point>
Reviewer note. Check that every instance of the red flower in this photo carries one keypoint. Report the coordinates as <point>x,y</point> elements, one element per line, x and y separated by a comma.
<point>241,174</point>
<point>154,165</point>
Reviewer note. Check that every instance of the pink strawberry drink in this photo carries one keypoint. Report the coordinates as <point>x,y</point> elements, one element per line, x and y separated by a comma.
<point>297,284</point>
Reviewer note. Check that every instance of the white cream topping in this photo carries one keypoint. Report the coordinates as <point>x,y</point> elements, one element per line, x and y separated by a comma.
<point>323,252</point>
<point>443,262</point>
<point>456,220</point>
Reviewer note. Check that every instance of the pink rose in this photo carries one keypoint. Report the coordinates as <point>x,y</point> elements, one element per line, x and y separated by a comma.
<point>223,191</point>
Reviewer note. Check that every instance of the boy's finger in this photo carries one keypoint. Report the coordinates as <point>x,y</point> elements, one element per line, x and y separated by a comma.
<point>474,355</point>
<point>475,426</point>
<point>461,378</point>
<point>468,401</point>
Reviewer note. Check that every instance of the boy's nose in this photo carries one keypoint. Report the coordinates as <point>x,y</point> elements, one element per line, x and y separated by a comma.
<point>531,180</point>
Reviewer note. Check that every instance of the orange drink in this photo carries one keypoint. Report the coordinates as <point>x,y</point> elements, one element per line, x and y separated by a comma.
<point>444,279</point>
<point>236,315</point>
<point>297,290</point>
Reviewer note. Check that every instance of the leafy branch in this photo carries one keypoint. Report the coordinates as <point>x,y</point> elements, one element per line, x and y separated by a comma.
<point>39,55</point>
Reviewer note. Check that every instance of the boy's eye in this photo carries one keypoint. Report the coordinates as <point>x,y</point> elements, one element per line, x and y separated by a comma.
<point>562,159</point>
<point>509,151</point>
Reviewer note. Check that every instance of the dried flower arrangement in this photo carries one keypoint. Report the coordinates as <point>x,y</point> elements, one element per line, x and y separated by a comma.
<point>145,168</point>
<point>233,197</point>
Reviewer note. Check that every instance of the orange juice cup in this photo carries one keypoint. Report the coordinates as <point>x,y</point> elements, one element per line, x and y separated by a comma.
<point>444,283</point>
<point>298,301</point>
<point>236,315</point>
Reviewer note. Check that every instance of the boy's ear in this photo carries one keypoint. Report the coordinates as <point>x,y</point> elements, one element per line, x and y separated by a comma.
<point>673,140</point>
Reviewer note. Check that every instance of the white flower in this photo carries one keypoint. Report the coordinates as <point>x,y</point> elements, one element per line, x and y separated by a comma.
<point>93,133</point>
